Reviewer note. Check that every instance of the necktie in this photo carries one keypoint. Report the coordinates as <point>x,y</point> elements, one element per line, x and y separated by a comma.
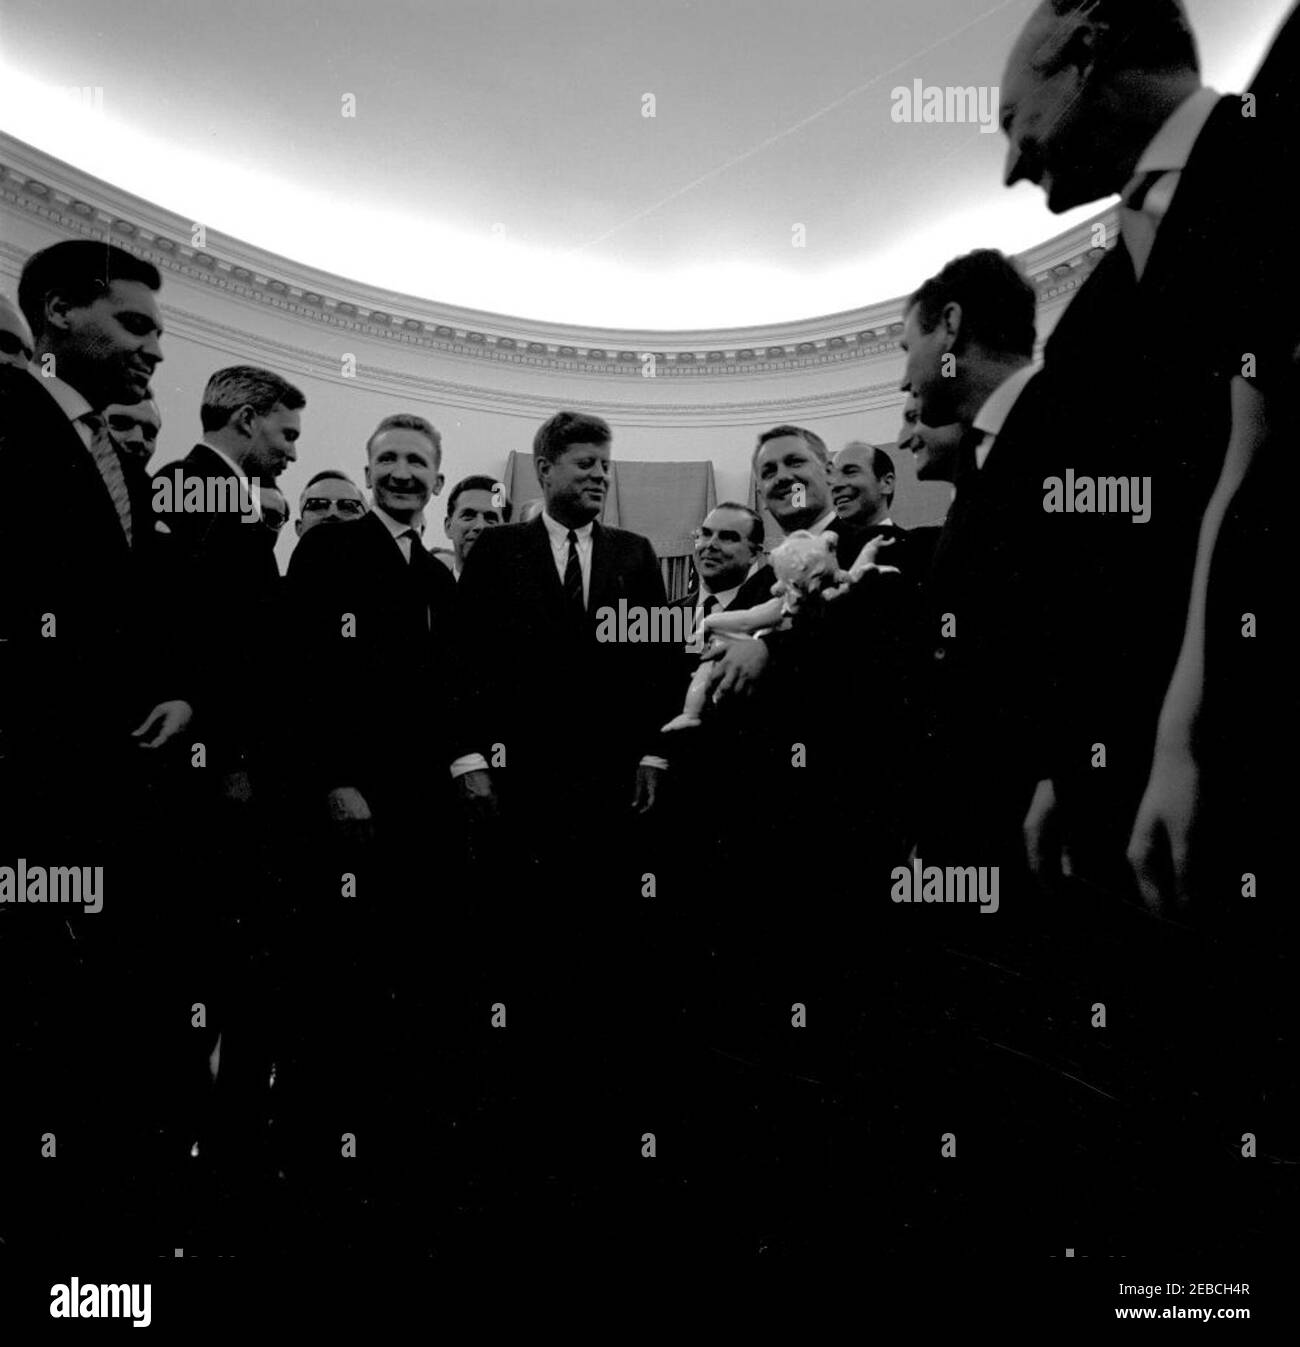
<point>710,603</point>
<point>1143,205</point>
<point>416,545</point>
<point>103,451</point>
<point>573,579</point>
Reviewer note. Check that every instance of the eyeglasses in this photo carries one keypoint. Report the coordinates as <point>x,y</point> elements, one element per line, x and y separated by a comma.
<point>321,504</point>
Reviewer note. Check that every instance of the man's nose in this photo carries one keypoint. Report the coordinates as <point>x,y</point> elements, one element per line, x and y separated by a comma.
<point>152,350</point>
<point>290,453</point>
<point>1018,166</point>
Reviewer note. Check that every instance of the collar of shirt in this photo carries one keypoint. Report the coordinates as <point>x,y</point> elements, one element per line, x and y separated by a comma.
<point>1171,146</point>
<point>560,533</point>
<point>992,416</point>
<point>71,403</point>
<point>723,596</point>
<point>254,496</point>
<point>397,528</point>
<point>824,522</point>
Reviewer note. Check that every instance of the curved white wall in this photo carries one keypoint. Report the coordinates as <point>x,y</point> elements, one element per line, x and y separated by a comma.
<point>487,381</point>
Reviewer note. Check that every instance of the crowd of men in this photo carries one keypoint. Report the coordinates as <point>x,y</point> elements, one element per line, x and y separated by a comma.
<point>395,835</point>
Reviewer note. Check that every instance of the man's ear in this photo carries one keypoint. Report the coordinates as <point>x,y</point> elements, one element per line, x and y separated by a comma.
<point>437,485</point>
<point>370,486</point>
<point>952,320</point>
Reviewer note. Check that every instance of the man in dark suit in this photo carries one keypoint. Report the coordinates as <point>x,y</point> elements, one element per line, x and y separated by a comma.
<point>96,687</point>
<point>529,597</point>
<point>371,610</point>
<point>211,502</point>
<point>563,728</point>
<point>1101,99</point>
<point>980,676</point>
<point>862,490</point>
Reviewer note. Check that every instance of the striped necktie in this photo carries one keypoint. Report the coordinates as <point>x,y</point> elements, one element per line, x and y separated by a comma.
<point>573,596</point>
<point>104,452</point>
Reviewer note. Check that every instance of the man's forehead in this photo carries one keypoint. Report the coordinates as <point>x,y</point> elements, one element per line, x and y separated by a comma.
<point>333,488</point>
<point>861,454</point>
<point>726,519</point>
<point>585,450</point>
<point>784,446</point>
<point>400,439</point>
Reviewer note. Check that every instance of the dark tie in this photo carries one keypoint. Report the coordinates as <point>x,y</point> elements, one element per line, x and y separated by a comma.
<point>104,452</point>
<point>416,545</point>
<point>970,441</point>
<point>710,603</point>
<point>573,578</point>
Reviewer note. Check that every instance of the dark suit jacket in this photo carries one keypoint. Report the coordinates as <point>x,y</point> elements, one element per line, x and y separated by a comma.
<point>399,657</point>
<point>229,572</point>
<point>1140,374</point>
<point>563,704</point>
<point>76,692</point>
<point>986,687</point>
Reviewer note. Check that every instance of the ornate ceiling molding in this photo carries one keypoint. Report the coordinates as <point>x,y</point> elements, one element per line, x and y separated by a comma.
<point>74,203</point>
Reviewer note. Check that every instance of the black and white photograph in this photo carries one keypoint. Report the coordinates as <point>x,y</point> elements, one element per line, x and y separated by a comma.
<point>647,633</point>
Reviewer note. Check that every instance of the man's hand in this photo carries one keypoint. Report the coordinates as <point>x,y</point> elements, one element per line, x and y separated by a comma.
<point>1160,845</point>
<point>350,814</point>
<point>164,722</point>
<point>480,800</point>
<point>648,781</point>
<point>1044,845</point>
<point>742,662</point>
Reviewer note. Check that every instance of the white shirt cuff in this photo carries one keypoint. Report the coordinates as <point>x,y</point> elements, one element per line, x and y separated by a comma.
<point>651,761</point>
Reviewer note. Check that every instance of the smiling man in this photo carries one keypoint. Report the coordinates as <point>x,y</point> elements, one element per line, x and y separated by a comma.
<point>791,466</point>
<point>95,685</point>
<point>475,504</point>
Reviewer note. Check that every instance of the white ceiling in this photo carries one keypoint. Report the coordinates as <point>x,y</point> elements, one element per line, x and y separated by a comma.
<point>499,158</point>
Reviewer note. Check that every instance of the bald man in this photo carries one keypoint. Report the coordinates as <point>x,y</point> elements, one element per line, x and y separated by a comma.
<point>862,490</point>
<point>16,346</point>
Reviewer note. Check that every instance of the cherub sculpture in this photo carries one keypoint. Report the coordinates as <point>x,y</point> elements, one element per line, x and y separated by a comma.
<point>806,569</point>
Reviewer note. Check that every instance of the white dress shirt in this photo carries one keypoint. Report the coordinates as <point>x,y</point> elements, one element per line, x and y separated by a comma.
<point>559,536</point>
<point>1168,152</point>
<point>398,530</point>
<point>246,485</point>
<point>992,416</point>
<point>71,403</point>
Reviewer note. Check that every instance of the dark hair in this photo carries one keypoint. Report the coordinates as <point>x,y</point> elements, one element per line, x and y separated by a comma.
<point>80,271</point>
<point>409,421</point>
<point>756,529</point>
<point>998,305</point>
<point>812,440</point>
<point>565,429</point>
<point>1139,34</point>
<point>246,386</point>
<point>881,464</point>
<point>477,483</point>
<point>330,475</point>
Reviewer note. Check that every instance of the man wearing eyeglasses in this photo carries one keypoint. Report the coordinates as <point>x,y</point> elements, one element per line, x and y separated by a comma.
<point>331,497</point>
